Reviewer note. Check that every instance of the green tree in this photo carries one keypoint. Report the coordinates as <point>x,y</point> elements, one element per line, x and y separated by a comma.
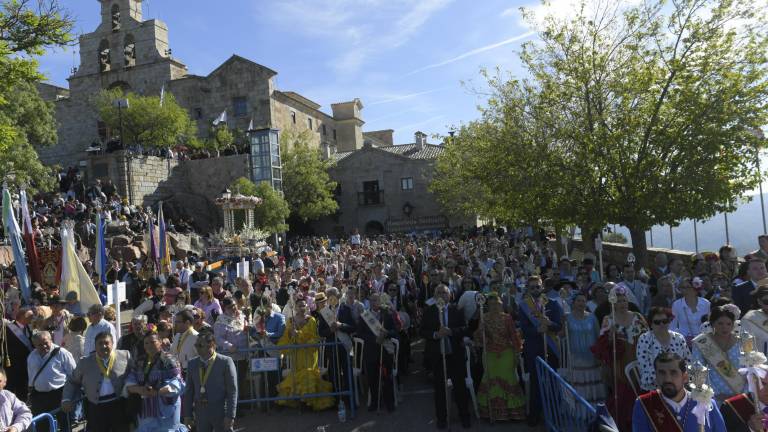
<point>308,186</point>
<point>25,120</point>
<point>640,114</point>
<point>145,121</point>
<point>270,216</point>
<point>219,138</point>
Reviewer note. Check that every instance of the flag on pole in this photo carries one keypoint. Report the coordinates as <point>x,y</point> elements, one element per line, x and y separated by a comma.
<point>162,95</point>
<point>153,255</point>
<point>12,231</point>
<point>250,125</point>
<point>73,274</point>
<point>29,239</point>
<point>165,255</point>
<point>101,251</point>
<point>221,118</point>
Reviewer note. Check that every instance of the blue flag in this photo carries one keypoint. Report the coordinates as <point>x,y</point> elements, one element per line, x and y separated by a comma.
<point>13,232</point>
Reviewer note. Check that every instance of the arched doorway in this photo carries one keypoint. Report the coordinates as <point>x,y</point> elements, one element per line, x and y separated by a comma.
<point>374,228</point>
<point>122,85</point>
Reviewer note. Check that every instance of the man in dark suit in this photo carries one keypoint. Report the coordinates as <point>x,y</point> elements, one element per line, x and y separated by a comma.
<point>373,351</point>
<point>210,399</point>
<point>344,323</point>
<point>742,292</point>
<point>448,331</point>
<point>19,346</point>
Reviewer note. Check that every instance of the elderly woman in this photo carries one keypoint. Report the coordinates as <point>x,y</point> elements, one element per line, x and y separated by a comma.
<point>656,341</point>
<point>156,377</point>
<point>304,375</point>
<point>720,352</point>
<point>500,396</point>
<point>230,329</point>
<point>208,304</point>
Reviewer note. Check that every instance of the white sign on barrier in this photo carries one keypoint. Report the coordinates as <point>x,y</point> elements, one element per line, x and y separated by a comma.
<point>267,364</point>
<point>243,268</point>
<point>116,291</point>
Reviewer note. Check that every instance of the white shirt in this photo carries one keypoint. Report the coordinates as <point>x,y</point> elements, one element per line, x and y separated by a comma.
<point>676,406</point>
<point>686,321</point>
<point>56,372</point>
<point>91,333</point>
<point>187,351</point>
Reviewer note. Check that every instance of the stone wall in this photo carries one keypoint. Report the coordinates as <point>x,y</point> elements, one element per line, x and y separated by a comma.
<point>615,253</point>
<point>187,188</point>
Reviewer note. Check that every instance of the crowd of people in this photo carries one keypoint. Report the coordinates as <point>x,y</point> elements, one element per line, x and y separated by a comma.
<point>498,299</point>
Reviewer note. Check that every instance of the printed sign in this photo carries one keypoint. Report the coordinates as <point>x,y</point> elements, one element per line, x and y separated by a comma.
<point>267,364</point>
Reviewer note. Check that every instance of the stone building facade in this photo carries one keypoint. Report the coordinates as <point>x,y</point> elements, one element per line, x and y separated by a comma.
<point>384,188</point>
<point>132,54</point>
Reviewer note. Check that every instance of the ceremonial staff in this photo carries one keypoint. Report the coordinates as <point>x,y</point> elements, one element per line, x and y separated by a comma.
<point>612,299</point>
<point>480,299</point>
<point>440,307</point>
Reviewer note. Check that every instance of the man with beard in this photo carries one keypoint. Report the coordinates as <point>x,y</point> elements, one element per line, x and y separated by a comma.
<point>671,407</point>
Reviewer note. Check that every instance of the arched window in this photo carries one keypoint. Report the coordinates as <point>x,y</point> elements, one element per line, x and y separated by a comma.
<point>115,17</point>
<point>129,51</point>
<point>105,62</point>
<point>122,85</point>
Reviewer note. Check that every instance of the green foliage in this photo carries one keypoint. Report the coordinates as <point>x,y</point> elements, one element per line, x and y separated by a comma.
<point>25,119</point>
<point>631,114</point>
<point>146,122</point>
<point>306,182</point>
<point>270,216</point>
<point>615,237</point>
<point>219,138</point>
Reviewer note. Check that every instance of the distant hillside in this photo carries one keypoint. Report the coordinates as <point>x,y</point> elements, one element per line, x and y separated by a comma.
<point>745,224</point>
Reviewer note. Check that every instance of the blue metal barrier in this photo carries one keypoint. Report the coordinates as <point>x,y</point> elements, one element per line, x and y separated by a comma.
<point>282,348</point>
<point>564,409</point>
<point>43,417</point>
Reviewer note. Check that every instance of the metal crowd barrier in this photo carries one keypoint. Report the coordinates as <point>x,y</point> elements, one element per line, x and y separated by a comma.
<point>44,417</point>
<point>564,409</point>
<point>266,364</point>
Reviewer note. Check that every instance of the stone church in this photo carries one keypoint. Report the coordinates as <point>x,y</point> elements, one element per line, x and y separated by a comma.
<point>382,187</point>
<point>127,52</point>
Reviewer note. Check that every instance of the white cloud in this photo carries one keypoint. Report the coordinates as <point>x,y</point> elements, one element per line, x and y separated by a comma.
<point>361,28</point>
<point>473,52</point>
<point>513,11</point>
<point>396,98</point>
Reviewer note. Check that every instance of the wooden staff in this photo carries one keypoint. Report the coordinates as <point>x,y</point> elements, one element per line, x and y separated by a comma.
<point>440,307</point>
<point>480,299</point>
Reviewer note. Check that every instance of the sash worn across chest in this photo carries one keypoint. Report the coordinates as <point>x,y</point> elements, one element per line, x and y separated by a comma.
<point>718,359</point>
<point>659,415</point>
<point>531,311</point>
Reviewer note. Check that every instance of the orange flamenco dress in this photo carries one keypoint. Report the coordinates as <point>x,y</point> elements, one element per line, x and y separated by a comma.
<point>304,375</point>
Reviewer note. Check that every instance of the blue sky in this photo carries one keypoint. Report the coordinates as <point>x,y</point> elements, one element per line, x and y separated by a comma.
<point>405,59</point>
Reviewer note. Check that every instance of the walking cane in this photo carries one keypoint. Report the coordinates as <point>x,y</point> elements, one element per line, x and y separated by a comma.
<point>543,307</point>
<point>440,307</point>
<point>480,299</point>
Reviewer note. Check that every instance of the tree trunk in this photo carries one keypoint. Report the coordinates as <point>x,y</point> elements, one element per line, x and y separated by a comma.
<point>588,241</point>
<point>639,247</point>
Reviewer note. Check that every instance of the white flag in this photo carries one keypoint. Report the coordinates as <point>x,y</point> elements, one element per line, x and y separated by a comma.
<point>250,125</point>
<point>221,119</point>
<point>162,95</point>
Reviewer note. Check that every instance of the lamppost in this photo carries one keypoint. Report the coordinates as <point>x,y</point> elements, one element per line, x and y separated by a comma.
<point>120,104</point>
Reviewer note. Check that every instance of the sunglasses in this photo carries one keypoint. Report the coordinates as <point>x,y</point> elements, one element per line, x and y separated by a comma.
<point>662,321</point>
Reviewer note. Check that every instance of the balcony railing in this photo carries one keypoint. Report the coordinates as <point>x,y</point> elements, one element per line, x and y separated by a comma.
<point>417,223</point>
<point>370,198</point>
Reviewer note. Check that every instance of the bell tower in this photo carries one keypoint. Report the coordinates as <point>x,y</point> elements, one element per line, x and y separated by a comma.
<point>114,13</point>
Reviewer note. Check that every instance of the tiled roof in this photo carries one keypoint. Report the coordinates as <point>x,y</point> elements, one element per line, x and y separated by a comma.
<point>429,151</point>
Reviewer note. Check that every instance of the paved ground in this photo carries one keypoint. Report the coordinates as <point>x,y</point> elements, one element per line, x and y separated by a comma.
<point>415,413</point>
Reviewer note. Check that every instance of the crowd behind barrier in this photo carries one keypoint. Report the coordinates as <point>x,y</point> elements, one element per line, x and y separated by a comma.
<point>485,302</point>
